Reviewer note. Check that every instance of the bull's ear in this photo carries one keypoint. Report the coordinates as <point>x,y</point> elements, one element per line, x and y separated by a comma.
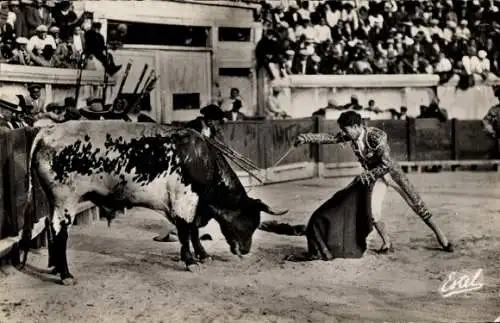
<point>266,208</point>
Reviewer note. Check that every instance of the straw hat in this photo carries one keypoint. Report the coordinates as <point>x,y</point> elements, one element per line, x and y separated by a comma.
<point>22,40</point>
<point>42,28</point>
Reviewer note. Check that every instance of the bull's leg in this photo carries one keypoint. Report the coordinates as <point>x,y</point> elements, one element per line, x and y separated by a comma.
<point>59,225</point>
<point>184,233</point>
<point>199,251</point>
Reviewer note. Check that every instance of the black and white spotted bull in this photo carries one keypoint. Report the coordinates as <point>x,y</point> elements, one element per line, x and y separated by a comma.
<point>116,164</point>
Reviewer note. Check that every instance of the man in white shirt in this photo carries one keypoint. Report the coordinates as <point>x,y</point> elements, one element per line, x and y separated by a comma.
<point>78,39</point>
<point>37,42</point>
<point>273,106</point>
<point>323,32</point>
<point>444,64</point>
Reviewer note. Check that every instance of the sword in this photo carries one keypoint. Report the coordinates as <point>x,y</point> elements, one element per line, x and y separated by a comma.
<point>284,155</point>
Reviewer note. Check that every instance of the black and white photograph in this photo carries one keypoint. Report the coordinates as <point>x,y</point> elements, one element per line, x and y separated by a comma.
<point>249,161</point>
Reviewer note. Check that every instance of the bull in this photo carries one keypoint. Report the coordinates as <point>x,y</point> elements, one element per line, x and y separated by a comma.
<point>116,164</point>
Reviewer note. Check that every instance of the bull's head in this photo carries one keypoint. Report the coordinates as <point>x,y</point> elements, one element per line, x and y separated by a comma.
<point>238,226</point>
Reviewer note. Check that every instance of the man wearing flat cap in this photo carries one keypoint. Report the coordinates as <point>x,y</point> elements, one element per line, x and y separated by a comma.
<point>37,43</point>
<point>20,54</point>
<point>33,103</point>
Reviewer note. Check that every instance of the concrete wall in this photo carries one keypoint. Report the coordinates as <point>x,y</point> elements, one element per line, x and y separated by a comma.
<point>303,94</point>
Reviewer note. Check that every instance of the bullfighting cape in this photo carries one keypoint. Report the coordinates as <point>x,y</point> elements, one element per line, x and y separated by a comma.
<point>338,228</point>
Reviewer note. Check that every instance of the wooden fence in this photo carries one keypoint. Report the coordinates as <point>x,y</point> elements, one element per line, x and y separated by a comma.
<point>413,142</point>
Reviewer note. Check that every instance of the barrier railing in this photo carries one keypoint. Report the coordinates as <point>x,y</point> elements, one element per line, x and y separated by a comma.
<point>412,141</point>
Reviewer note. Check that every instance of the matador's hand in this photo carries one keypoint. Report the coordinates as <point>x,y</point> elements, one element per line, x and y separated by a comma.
<point>367,178</point>
<point>300,140</point>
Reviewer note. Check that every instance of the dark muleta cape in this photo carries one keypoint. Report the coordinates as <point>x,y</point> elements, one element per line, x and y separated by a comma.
<point>338,228</point>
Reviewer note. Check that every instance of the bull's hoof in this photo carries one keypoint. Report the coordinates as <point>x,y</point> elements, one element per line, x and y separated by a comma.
<point>448,247</point>
<point>385,249</point>
<point>70,281</point>
<point>207,259</point>
<point>194,268</point>
<point>54,272</point>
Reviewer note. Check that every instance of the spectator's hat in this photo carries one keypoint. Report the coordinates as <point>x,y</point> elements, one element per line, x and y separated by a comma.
<point>54,29</point>
<point>284,24</point>
<point>390,41</point>
<point>33,86</point>
<point>55,107</point>
<point>494,9</point>
<point>22,40</point>
<point>399,36</point>
<point>476,3</point>
<point>42,28</point>
<point>482,54</point>
<point>464,22</point>
<point>212,112</point>
<point>451,23</point>
<point>95,106</point>
<point>290,52</point>
<point>316,58</point>
<point>304,52</point>
<point>409,41</point>
<point>434,21</point>
<point>348,3</point>
<point>354,97</point>
<point>309,39</point>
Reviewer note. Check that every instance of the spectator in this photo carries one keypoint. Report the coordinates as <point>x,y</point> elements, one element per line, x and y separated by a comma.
<point>46,59</point>
<point>65,18</point>
<point>274,109</point>
<point>235,114</point>
<point>54,32</point>
<point>66,55</point>
<point>78,40</point>
<point>96,46</point>
<point>228,103</point>
<point>37,43</point>
<point>36,15</point>
<point>354,104</point>
<point>33,103</point>
<point>372,107</point>
<point>20,55</point>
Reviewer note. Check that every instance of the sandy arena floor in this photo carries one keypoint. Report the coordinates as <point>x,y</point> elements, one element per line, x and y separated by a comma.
<point>125,276</point>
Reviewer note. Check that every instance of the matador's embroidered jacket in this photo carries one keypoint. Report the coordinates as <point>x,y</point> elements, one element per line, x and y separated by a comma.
<point>375,157</point>
<point>491,121</point>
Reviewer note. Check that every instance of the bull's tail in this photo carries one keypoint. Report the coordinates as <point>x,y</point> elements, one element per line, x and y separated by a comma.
<point>283,228</point>
<point>29,207</point>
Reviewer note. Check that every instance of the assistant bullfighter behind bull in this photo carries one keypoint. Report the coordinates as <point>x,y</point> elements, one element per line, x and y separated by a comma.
<point>116,164</point>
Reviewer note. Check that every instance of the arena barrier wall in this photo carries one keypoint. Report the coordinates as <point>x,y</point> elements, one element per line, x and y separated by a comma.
<point>301,95</point>
<point>413,142</point>
<point>14,151</point>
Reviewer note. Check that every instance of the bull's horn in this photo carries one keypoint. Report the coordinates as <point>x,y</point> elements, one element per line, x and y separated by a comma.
<point>266,208</point>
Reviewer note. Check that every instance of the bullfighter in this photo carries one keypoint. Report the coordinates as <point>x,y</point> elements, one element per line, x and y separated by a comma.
<point>371,147</point>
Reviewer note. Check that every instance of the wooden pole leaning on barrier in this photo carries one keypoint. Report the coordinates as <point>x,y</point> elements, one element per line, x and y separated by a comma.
<point>284,155</point>
<point>141,77</point>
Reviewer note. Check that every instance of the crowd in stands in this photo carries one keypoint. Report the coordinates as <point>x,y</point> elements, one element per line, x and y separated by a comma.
<point>37,34</point>
<point>445,37</point>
